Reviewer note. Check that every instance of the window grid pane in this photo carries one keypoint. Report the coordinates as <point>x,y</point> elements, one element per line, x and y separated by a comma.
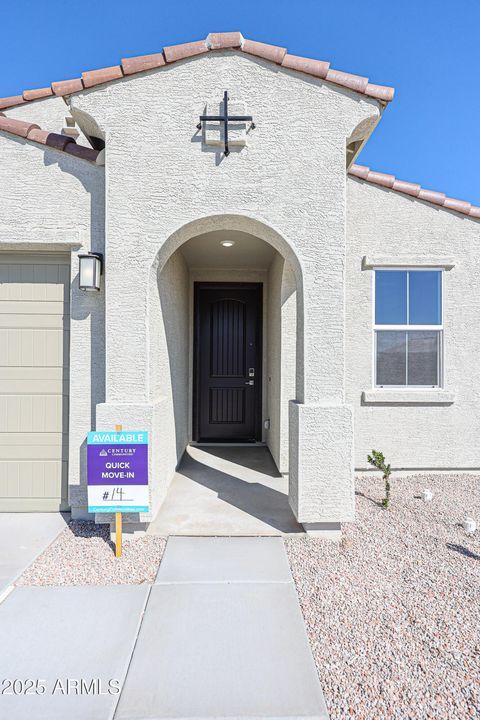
<point>409,352</point>
<point>408,358</point>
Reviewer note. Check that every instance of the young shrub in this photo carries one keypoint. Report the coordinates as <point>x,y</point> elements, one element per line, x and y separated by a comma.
<point>377,459</point>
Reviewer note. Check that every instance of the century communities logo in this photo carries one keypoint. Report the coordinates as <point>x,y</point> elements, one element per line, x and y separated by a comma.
<point>129,451</point>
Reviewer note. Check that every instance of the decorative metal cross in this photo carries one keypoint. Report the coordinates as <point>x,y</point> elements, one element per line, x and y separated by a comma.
<point>226,118</point>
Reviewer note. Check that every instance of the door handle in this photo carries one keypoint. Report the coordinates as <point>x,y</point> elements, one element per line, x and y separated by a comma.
<point>250,382</point>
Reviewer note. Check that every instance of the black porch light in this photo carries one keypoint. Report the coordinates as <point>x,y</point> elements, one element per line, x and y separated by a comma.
<point>90,269</point>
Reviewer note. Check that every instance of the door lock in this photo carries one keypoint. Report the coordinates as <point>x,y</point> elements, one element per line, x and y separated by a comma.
<point>251,372</point>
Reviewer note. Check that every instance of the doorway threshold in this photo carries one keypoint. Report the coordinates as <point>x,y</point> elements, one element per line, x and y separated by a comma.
<point>194,443</point>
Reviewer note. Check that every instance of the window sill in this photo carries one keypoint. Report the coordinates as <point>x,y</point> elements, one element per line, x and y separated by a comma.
<point>424,396</point>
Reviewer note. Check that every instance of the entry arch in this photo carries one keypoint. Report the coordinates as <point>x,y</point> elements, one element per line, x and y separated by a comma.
<point>167,304</point>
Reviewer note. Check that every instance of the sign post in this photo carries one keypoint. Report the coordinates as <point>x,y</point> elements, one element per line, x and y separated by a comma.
<point>117,475</point>
<point>118,519</point>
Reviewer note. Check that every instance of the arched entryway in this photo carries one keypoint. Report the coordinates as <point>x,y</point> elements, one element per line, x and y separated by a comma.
<point>216,284</point>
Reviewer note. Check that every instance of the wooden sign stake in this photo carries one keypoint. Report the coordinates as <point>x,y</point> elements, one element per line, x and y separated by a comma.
<point>118,519</point>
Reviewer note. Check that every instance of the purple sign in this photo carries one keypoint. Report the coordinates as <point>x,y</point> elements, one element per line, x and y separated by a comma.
<point>117,464</point>
<point>118,471</point>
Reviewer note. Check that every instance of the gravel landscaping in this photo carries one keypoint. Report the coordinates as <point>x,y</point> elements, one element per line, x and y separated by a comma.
<point>83,555</point>
<point>393,611</point>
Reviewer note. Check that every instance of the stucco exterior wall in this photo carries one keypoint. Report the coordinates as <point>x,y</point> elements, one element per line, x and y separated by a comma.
<point>291,179</point>
<point>424,435</point>
<point>281,382</point>
<point>274,356</point>
<point>55,202</point>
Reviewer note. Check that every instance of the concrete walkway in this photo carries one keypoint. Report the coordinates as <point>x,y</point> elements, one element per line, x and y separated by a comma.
<point>23,536</point>
<point>225,490</point>
<point>219,635</point>
<point>222,637</point>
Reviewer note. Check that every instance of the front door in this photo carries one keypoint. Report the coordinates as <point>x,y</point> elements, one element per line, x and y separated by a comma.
<point>228,353</point>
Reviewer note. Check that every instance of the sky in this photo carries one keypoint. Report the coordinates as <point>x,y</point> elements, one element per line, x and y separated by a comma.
<point>428,50</point>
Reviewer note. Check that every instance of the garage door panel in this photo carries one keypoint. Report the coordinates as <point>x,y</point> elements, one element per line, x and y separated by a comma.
<point>34,350</point>
<point>34,282</point>
<point>33,446</point>
<point>31,413</point>
<point>26,347</point>
<point>22,307</point>
<point>33,381</point>
<point>32,478</point>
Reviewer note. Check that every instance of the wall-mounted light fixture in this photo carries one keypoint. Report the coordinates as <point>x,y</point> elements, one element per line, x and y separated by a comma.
<point>90,269</point>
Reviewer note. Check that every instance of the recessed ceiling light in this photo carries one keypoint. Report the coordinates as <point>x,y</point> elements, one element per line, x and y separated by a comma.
<point>228,243</point>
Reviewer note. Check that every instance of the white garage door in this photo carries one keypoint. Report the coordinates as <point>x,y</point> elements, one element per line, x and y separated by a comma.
<point>34,351</point>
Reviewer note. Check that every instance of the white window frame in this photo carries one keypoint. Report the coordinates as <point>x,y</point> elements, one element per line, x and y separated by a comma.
<point>439,329</point>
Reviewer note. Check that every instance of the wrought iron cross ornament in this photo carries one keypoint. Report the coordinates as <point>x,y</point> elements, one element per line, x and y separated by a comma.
<point>226,118</point>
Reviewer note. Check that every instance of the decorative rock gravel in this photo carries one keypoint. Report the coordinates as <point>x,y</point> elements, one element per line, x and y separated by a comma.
<point>393,610</point>
<point>83,555</point>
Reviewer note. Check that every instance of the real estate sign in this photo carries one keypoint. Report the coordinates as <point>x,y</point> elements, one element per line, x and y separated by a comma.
<point>117,471</point>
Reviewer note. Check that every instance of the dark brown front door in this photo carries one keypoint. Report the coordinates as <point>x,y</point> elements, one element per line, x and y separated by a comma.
<point>228,352</point>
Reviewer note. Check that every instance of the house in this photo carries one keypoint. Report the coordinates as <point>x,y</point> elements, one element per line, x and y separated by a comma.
<point>257,285</point>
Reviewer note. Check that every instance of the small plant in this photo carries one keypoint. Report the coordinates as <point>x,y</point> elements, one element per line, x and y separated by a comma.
<point>377,459</point>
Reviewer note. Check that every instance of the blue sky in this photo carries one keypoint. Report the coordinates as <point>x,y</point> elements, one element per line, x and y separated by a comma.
<point>428,50</point>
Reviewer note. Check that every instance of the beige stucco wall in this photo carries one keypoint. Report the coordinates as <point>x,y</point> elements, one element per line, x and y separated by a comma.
<point>281,362</point>
<point>51,201</point>
<point>385,223</point>
<point>287,187</point>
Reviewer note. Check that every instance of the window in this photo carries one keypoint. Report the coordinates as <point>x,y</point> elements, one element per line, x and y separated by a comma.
<point>408,328</point>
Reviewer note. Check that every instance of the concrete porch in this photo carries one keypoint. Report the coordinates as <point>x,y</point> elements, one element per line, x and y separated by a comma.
<point>226,490</point>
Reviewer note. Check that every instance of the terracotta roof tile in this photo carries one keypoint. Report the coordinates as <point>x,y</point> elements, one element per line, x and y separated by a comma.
<point>414,190</point>
<point>98,77</point>
<point>33,132</point>
<point>214,41</point>
<point>185,50</point>
<point>380,92</point>
<point>81,151</point>
<point>37,135</point>
<point>66,87</point>
<point>17,127</point>
<point>11,101</point>
<point>437,198</point>
<point>354,82</point>
<point>133,65</point>
<point>220,41</point>
<point>267,52</point>
<point>29,95</point>
<point>318,68</point>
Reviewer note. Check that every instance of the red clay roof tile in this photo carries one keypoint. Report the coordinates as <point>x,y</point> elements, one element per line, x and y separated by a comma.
<point>185,50</point>
<point>29,95</point>
<point>354,82</point>
<point>20,128</point>
<point>380,92</point>
<point>67,87</point>
<point>32,132</point>
<point>37,135</point>
<point>437,198</point>
<point>364,173</point>
<point>58,141</point>
<point>318,68</point>
<point>98,77</point>
<point>214,41</point>
<point>133,65</point>
<point>11,101</point>
<point>458,205</point>
<point>267,52</point>
<point>81,151</point>
<point>222,40</point>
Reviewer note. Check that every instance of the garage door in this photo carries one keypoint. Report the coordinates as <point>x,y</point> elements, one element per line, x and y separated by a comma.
<point>34,351</point>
